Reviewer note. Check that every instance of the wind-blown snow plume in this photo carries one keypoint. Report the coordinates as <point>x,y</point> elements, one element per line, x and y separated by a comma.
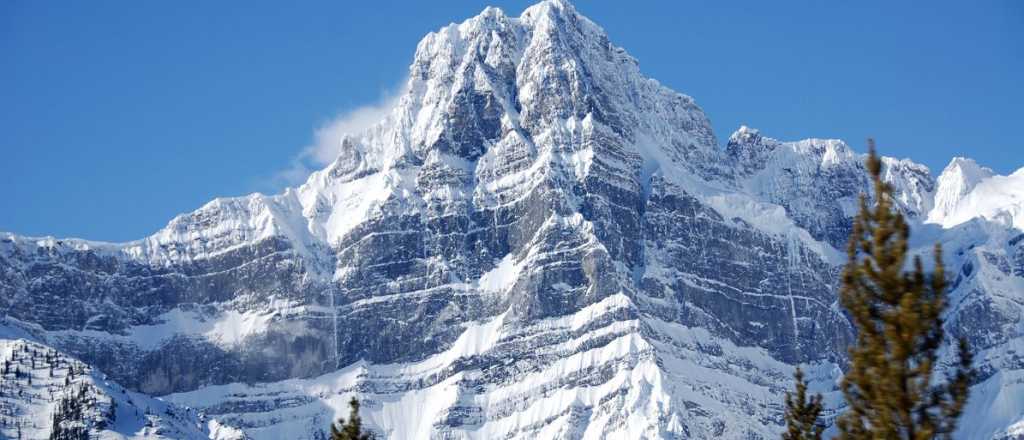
<point>326,145</point>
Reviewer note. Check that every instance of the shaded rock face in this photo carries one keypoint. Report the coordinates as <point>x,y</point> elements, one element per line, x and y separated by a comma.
<point>83,292</point>
<point>740,283</point>
<point>538,241</point>
<point>819,181</point>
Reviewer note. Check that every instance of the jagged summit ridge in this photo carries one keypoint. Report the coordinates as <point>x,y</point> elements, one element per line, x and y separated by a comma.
<point>819,181</point>
<point>495,85</point>
<point>488,85</point>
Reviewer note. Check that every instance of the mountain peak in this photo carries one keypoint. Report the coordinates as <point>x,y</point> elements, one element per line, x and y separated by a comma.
<point>744,134</point>
<point>748,148</point>
<point>549,8</point>
<point>967,190</point>
<point>966,170</point>
<point>958,179</point>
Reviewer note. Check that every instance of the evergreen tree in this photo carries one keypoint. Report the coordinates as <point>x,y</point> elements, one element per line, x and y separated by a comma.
<point>353,429</point>
<point>68,418</point>
<point>898,318</point>
<point>801,413</point>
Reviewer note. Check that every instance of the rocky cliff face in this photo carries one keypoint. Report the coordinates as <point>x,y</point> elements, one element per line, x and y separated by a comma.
<point>537,241</point>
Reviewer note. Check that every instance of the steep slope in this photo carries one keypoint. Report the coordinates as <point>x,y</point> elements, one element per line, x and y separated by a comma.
<point>536,242</point>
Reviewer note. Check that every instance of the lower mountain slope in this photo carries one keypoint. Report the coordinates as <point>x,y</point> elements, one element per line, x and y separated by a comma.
<point>46,394</point>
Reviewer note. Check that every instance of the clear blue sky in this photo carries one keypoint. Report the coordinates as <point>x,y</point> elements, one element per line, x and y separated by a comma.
<point>116,116</point>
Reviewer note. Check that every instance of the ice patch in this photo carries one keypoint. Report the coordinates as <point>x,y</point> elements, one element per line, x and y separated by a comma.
<point>502,277</point>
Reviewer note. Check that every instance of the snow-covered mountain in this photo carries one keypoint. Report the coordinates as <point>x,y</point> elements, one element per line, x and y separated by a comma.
<point>536,242</point>
<point>967,191</point>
